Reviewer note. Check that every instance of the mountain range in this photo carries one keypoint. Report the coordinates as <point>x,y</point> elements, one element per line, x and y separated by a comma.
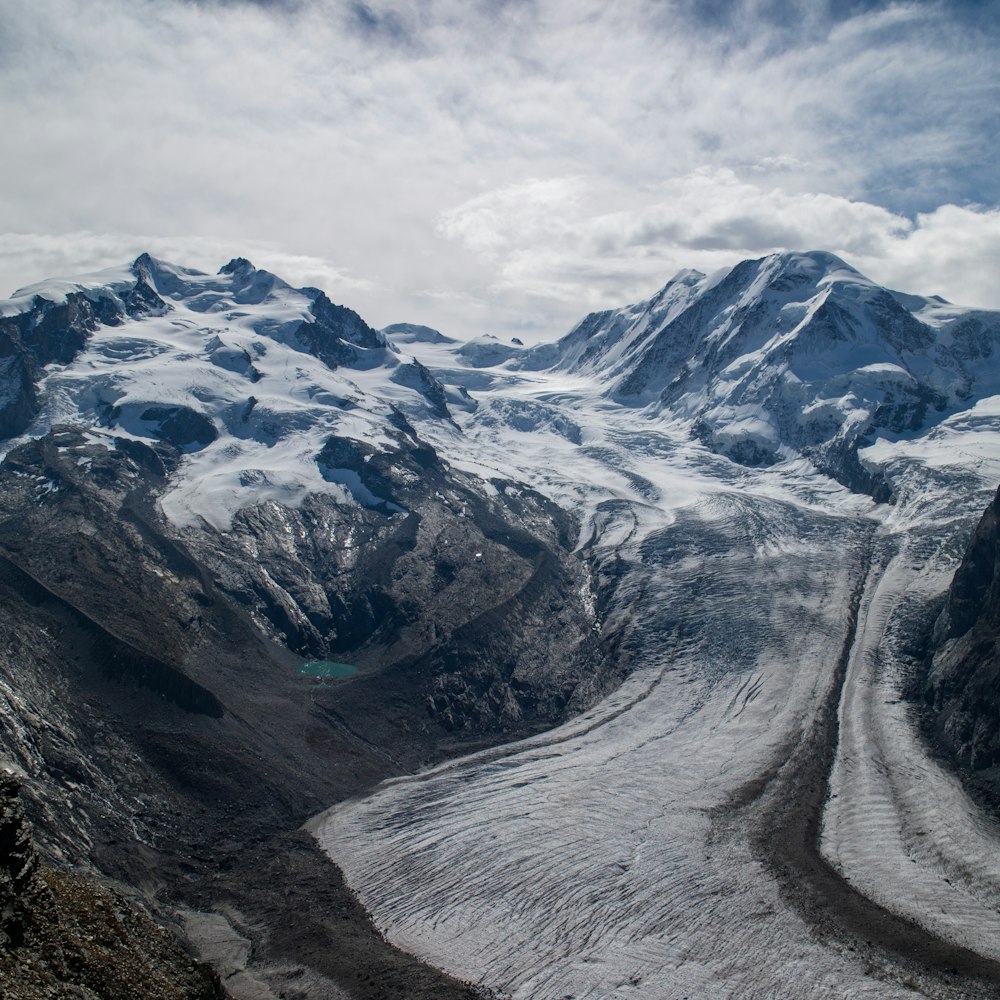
<point>640,598</point>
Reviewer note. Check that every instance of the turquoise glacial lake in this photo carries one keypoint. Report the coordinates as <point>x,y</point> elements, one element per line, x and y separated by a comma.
<point>327,668</point>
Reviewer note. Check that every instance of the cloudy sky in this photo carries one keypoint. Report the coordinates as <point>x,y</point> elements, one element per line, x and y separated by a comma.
<point>501,165</point>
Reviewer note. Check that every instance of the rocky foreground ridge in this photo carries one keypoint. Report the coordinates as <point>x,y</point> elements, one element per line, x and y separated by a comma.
<point>64,937</point>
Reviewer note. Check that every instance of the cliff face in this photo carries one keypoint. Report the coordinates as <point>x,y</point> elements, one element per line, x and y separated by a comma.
<point>64,936</point>
<point>18,863</point>
<point>963,684</point>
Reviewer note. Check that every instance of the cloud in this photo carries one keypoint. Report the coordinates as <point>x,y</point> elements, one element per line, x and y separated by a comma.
<point>710,219</point>
<point>953,251</point>
<point>514,214</point>
<point>428,155</point>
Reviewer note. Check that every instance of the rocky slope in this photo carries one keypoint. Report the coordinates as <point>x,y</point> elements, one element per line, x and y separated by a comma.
<point>962,687</point>
<point>62,936</point>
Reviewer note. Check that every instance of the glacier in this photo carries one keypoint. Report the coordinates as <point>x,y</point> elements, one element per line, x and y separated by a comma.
<point>753,813</point>
<point>774,471</point>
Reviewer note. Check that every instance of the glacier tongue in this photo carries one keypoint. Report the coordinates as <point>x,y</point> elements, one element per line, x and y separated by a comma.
<point>595,861</point>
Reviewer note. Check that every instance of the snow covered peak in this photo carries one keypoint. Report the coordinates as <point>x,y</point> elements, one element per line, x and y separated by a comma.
<point>812,265</point>
<point>790,354</point>
<point>244,375</point>
<point>686,276</point>
<point>237,283</point>
<point>414,333</point>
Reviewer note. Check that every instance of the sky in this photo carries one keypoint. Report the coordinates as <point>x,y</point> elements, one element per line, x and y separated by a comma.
<point>501,166</point>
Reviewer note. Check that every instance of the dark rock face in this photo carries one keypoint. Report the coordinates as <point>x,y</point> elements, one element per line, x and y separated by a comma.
<point>142,300</point>
<point>181,426</point>
<point>18,403</point>
<point>416,376</point>
<point>63,936</point>
<point>121,661</point>
<point>18,863</point>
<point>338,336</point>
<point>47,333</point>
<point>840,461</point>
<point>963,683</point>
<point>974,597</point>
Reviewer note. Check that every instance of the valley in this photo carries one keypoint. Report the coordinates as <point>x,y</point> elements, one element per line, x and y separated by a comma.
<point>678,839</point>
<point>598,668</point>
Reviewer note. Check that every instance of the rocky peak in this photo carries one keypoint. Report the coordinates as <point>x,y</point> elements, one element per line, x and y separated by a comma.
<point>142,267</point>
<point>238,265</point>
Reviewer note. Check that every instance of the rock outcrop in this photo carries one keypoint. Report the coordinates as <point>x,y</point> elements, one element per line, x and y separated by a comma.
<point>63,936</point>
<point>963,684</point>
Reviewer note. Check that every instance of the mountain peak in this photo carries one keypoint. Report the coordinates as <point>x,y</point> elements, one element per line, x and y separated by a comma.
<point>144,265</point>
<point>686,276</point>
<point>813,258</point>
<point>795,353</point>
<point>238,265</point>
<point>809,267</point>
<point>414,333</point>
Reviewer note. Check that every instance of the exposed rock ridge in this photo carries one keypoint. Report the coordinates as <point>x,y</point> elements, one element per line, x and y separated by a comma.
<point>962,688</point>
<point>64,937</point>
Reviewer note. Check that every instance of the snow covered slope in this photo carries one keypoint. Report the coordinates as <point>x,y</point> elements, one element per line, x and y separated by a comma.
<point>245,375</point>
<point>793,353</point>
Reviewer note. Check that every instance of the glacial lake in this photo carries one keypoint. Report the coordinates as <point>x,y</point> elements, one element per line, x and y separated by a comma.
<point>327,668</point>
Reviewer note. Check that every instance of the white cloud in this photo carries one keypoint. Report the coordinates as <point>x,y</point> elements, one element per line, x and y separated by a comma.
<point>514,214</point>
<point>544,247</point>
<point>953,251</point>
<point>496,166</point>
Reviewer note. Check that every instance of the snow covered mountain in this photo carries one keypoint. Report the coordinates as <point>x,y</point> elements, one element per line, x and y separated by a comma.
<point>214,493</point>
<point>223,366</point>
<point>691,555</point>
<point>793,354</point>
